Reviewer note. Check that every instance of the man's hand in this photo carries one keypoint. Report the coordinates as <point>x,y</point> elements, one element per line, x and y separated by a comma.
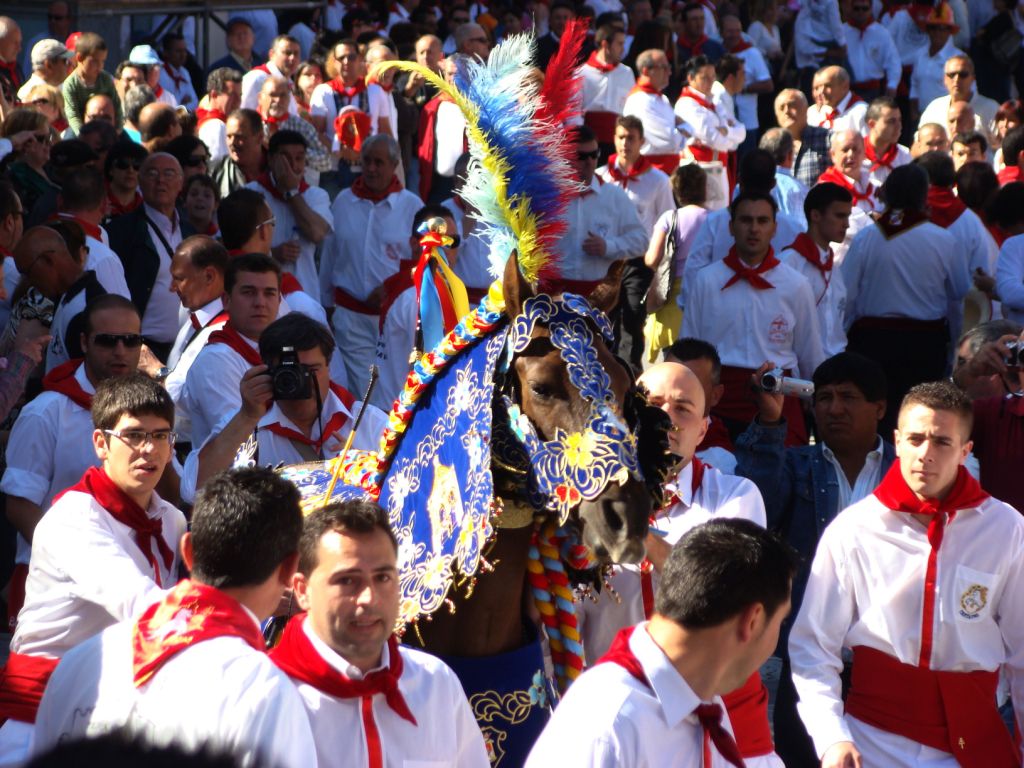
<point>257,390</point>
<point>990,358</point>
<point>21,138</point>
<point>842,754</point>
<point>657,549</point>
<point>32,339</point>
<point>984,282</point>
<point>769,404</point>
<point>287,252</point>
<point>595,245</point>
<point>149,363</point>
<point>285,177</point>
<point>349,155</point>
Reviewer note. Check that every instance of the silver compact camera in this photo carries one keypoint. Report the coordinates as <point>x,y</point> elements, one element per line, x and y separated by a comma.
<point>776,382</point>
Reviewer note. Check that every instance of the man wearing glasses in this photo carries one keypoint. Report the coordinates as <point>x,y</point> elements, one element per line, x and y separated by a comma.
<point>874,61</point>
<point>958,77</point>
<point>106,549</point>
<point>58,27</point>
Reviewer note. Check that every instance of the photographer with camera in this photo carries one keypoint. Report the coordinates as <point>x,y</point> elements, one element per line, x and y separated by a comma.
<point>289,404</point>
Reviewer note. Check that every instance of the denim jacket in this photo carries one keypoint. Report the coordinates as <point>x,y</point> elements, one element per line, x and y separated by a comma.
<point>800,491</point>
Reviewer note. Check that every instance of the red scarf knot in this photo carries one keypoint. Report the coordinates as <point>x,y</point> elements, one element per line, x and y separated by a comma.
<point>62,379</point>
<point>90,229</point>
<point>643,85</point>
<point>360,190</point>
<point>232,338</point>
<point>700,98</point>
<point>334,424</point>
<point>203,115</point>
<point>623,177</point>
<point>836,176</point>
<point>266,181</point>
<point>885,160</point>
<point>752,275</point>
<point>806,247</point>
<point>348,91</point>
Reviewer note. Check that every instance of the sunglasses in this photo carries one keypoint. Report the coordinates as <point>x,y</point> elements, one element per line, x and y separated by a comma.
<point>588,155</point>
<point>110,340</point>
<point>40,103</point>
<point>959,73</point>
<point>193,160</point>
<point>124,165</point>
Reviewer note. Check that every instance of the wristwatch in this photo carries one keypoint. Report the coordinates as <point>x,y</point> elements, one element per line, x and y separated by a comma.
<point>291,193</point>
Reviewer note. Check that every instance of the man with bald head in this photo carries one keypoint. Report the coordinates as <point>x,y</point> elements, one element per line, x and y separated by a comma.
<point>100,107</point>
<point>413,86</point>
<point>835,106</point>
<point>145,240</point>
<point>930,137</point>
<point>849,172</point>
<point>810,143</point>
<point>471,40</point>
<point>10,47</point>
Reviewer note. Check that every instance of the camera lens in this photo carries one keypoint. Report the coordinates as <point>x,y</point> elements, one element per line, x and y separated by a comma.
<point>287,381</point>
<point>769,382</point>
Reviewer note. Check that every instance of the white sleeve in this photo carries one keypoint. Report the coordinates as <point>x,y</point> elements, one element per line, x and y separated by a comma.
<point>701,254</point>
<point>321,104</point>
<point>110,274</point>
<point>1009,282</point>
<point>891,61</point>
<point>252,81</point>
<point>208,396</point>
<point>958,282</point>
<point>327,255</point>
<point>393,348</point>
<point>693,315</point>
<point>807,335</point>
<point>835,23</point>
<point>213,135</point>
<point>630,237</point>
<point>31,448</point>
<point>1011,624</point>
<point>852,269</point>
<point>915,76</point>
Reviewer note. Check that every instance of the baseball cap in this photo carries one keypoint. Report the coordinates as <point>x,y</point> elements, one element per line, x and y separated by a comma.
<point>48,50</point>
<point>941,16</point>
<point>144,54</point>
<point>71,153</point>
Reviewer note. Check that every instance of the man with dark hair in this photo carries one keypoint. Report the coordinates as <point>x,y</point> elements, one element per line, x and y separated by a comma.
<point>365,694</point>
<point>882,148</point>
<point>903,278</point>
<point>105,549</point>
<point>754,308</point>
<point>980,373</point>
<point>699,36</point>
<point>302,213</point>
<point>827,210</point>
<point>606,84</point>
<point>174,74</point>
<point>310,426</point>
<point>702,358</point>
<point>239,40</point>
<point>282,61</point>
<point>924,581</point>
<point>191,670</point>
<point>756,77</point>
<point>969,147</point>
<point>246,158</point>
<point>252,298</point>
<point>657,693</point>
<point>805,487</point>
<point>1013,156</point>
<point>223,95</point>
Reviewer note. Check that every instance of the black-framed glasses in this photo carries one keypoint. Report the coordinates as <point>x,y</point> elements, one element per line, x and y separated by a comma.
<point>123,164</point>
<point>136,438</point>
<point>193,160</point>
<point>588,155</point>
<point>111,340</point>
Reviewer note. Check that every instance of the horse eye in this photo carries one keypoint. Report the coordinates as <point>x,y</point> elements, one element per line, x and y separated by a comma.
<point>540,389</point>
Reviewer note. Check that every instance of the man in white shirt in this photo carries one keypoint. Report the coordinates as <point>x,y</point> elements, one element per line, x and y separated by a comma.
<point>836,107</point>
<point>882,150</point>
<point>371,222</point>
<point>174,75</point>
<point>755,68</point>
<point>927,78</point>
<point>252,297</point>
<point>819,38</point>
<point>191,670</point>
<point>929,640</point>
<point>849,172</point>
<point>223,96</point>
<point>959,81</point>
<point>370,700</point>
<point>664,132</point>
<point>302,213</point>
<point>875,64</point>
<point>902,276</point>
<point>282,61</point>
<point>656,696</point>
<point>606,84</point>
<point>647,187</point>
<point>105,550</point>
<point>472,260</point>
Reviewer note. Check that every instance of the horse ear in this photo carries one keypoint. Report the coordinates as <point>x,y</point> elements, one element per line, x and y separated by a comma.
<point>515,287</point>
<point>606,294</point>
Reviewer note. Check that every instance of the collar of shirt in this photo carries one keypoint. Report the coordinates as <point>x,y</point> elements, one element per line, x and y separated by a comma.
<point>784,171</point>
<point>339,662</point>
<point>83,380</point>
<point>677,699</point>
<point>246,65</point>
<point>331,405</point>
<point>873,455</point>
<point>167,225</point>
<point>682,487</point>
<point>209,311</point>
<point>870,471</point>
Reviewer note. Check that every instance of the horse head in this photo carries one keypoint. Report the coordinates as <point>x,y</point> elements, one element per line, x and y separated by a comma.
<point>573,408</point>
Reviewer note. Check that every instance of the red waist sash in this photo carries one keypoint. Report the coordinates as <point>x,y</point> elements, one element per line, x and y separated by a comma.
<point>667,163</point>
<point>345,299</point>
<point>748,713</point>
<point>951,711</point>
<point>602,124</point>
<point>22,683</point>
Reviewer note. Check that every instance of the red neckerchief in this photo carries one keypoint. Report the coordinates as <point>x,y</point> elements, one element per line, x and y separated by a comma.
<point>695,48</point>
<point>189,614</point>
<point>360,190</point>
<point>179,80</point>
<point>12,70</point>
<point>271,120</point>
<point>202,115</point>
<point>834,112</point>
<point>90,229</point>
<point>896,495</point>
<point>751,274</point>
<point>835,176</point>
<point>710,715</point>
<point>395,285</point>
<point>212,229</point>
<point>806,247</point>
<point>349,92</point>
<point>599,65</point>
<point>893,222</point>
<point>228,335</point>
<point>268,184</point>
<point>862,27</point>
<point>887,158</point>
<point>60,124</point>
<point>697,96</point>
<point>332,427</point>
<point>945,207</point>
<point>643,85</point>
<point>297,658</point>
<point>740,47</point>
<point>62,379</point>
<point>117,208</point>
<point>263,68</point>
<point>289,284</point>
<point>126,511</point>
<point>640,167</point>
<point>1008,174</point>
<point>302,105</point>
<point>158,91</point>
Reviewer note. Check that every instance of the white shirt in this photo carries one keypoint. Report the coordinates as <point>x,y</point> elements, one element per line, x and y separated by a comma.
<point>818,22</point>
<point>211,387</point>
<point>187,346</point>
<point>214,134</point>
<point>446,733</point>
<point>985,110</point>
<point>790,195</point>
<point>378,103</point>
<point>705,124</point>
<point>926,81</point>
<point>606,91</point>
<point>908,38</point>
<point>830,298</point>
<point>1009,281</point>
<point>252,83</point>
<point>160,320</point>
<point>606,211</point>
<point>182,89</point>
<point>368,241</point>
<point>850,114</point>
<point>449,138</point>
<point>748,325</point>
<point>609,719</point>
<point>868,479</point>
<point>661,136</point>
<point>650,193</point>
<point>49,449</point>
<point>756,69</point>
<point>88,572</point>
<point>287,228</point>
<point>878,175</point>
<point>218,692</point>
<point>916,274</point>
<point>873,56</point>
<point>107,266</point>
<point>768,41</point>
<point>866,588</point>
<point>397,339</point>
<point>473,265</point>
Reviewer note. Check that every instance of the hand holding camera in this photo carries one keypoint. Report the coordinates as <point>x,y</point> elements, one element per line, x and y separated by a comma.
<point>256,388</point>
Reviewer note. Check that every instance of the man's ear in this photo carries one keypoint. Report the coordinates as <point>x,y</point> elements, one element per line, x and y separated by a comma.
<point>289,566</point>
<point>99,444</point>
<point>300,589</point>
<point>187,556</point>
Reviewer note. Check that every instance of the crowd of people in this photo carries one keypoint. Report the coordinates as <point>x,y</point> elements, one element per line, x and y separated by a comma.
<point>825,196</point>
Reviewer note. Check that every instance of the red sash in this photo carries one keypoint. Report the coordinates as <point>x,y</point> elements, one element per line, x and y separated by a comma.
<point>191,613</point>
<point>599,65</point>
<point>640,167</point>
<point>62,379</point>
<point>643,85</point>
<point>945,207</point>
<point>345,299</point>
<point>120,506</point>
<point>228,335</point>
<point>22,682</point>
<point>665,163</point>
<point>360,190</point>
<point>202,115</point>
<point>268,184</point>
<point>886,159</point>
<point>337,420</point>
<point>894,222</point>
<point>752,275</point>
<point>951,711</point>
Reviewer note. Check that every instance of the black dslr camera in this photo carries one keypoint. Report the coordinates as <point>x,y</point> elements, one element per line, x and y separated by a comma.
<point>290,378</point>
<point>1015,358</point>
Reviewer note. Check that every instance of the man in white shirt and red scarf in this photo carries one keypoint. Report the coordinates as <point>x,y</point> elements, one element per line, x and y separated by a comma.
<point>370,700</point>
<point>697,493</point>
<point>924,581</point>
<point>754,308</point>
<point>664,132</point>
<point>606,84</point>
<point>103,552</point>
<point>903,277</point>
<point>191,670</point>
<point>882,148</point>
<point>836,107</point>
<point>849,171</point>
<point>874,60</point>
<point>282,61</point>
<point>223,96</point>
<point>656,697</point>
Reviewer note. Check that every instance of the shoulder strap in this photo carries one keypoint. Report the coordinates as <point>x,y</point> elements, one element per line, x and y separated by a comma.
<point>163,240</point>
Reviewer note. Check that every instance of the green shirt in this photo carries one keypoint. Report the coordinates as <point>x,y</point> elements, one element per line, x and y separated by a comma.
<point>77,93</point>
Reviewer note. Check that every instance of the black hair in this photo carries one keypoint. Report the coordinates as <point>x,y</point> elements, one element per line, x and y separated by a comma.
<point>238,216</point>
<point>102,303</point>
<point>757,171</point>
<point>133,395</point>
<point>697,349</point>
<point>83,189</point>
<point>849,367</point>
<point>298,331</point>
<point>203,251</point>
<point>355,516</point>
<point>285,138</point>
<point>429,212</point>
<point>747,196</point>
<point>1013,145</point>
<point>821,196</point>
<point>1007,207</point>
<point>939,167</point>
<point>906,188</point>
<point>941,396</point>
<point>257,263</point>
<point>124,150</point>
